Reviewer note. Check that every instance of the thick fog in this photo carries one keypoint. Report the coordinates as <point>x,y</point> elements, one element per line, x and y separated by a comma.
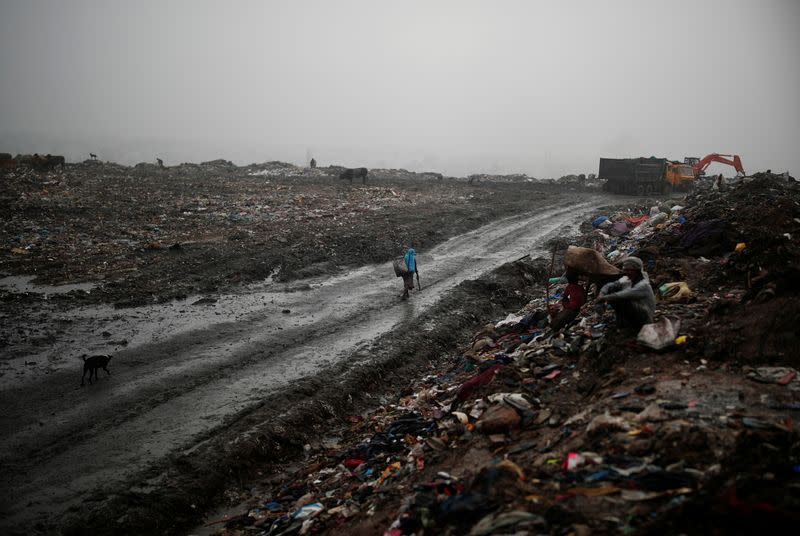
<point>543,88</point>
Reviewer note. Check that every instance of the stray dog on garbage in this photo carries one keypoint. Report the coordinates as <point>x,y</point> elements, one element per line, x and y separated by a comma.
<point>94,363</point>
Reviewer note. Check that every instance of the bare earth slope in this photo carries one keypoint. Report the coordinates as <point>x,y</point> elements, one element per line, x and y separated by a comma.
<point>189,280</point>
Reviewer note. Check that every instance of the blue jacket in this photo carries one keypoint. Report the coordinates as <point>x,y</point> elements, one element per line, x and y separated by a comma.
<point>410,260</point>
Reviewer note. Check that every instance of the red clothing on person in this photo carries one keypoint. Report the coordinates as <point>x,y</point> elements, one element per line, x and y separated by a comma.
<point>574,297</point>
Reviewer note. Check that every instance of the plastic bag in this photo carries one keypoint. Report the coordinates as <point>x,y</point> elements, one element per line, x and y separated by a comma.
<point>674,292</point>
<point>659,335</point>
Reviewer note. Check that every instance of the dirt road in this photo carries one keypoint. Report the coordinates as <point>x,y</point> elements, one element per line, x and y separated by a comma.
<point>190,366</point>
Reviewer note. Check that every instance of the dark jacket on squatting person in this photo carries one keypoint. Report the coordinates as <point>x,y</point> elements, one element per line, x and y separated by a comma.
<point>631,296</point>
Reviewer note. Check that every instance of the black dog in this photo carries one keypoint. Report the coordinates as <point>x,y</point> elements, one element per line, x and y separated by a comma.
<point>92,364</point>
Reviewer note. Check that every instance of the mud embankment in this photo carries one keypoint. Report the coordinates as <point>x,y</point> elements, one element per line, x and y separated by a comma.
<point>172,497</point>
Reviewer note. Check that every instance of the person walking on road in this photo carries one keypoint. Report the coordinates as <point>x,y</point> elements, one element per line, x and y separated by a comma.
<point>412,267</point>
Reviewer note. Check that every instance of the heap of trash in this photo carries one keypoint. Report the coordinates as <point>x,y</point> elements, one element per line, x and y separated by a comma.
<point>687,426</point>
<point>133,230</point>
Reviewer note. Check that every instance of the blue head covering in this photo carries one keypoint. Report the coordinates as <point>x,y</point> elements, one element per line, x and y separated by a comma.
<point>410,261</point>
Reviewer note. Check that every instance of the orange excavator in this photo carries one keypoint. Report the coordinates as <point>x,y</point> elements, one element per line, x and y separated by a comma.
<point>699,166</point>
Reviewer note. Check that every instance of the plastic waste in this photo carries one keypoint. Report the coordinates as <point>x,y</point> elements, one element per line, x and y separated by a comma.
<point>462,417</point>
<point>659,335</point>
<point>741,246</point>
<point>509,320</point>
<point>503,522</point>
<point>515,400</point>
<point>553,375</point>
<point>674,292</point>
<point>598,221</point>
<point>657,218</point>
<point>778,375</point>
<point>575,460</point>
<point>620,228</point>
<point>308,510</point>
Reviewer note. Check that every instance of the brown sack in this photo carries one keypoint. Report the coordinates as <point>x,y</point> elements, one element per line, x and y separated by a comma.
<point>400,268</point>
<point>588,262</point>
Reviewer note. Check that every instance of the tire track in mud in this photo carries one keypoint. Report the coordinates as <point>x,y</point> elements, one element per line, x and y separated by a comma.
<point>183,388</point>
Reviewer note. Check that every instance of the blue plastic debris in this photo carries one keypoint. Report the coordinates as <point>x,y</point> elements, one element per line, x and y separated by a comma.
<point>599,475</point>
<point>307,511</point>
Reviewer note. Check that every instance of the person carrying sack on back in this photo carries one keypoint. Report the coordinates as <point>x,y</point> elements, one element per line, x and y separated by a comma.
<point>412,267</point>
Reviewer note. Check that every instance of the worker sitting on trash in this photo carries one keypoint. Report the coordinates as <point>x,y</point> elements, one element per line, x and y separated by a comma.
<point>631,296</point>
<point>572,299</point>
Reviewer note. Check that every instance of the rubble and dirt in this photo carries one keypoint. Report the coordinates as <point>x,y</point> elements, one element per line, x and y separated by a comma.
<point>507,428</point>
<point>146,234</point>
<point>526,431</point>
<point>67,231</point>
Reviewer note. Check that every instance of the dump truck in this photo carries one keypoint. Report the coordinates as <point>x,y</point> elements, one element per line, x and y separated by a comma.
<point>644,176</point>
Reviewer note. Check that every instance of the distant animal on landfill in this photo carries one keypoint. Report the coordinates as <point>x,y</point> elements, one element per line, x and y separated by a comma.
<point>92,364</point>
<point>93,156</point>
<point>160,162</point>
<point>355,173</point>
<point>313,163</point>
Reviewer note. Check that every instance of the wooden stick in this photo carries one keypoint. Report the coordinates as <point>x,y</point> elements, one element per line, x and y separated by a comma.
<point>547,283</point>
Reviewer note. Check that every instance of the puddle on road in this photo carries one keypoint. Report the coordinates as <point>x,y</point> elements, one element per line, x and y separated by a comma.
<point>23,283</point>
<point>323,304</point>
<point>230,351</point>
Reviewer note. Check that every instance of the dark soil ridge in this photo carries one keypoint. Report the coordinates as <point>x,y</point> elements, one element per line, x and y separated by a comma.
<point>172,497</point>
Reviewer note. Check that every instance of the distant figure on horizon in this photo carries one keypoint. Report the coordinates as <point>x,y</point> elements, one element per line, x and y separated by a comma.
<point>93,156</point>
<point>160,162</point>
<point>313,163</point>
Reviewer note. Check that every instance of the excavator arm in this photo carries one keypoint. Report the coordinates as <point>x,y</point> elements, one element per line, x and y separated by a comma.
<point>731,160</point>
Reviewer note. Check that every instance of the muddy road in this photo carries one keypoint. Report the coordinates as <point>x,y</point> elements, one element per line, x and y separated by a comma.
<point>184,369</point>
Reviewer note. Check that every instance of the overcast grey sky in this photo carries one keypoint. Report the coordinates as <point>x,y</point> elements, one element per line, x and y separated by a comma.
<point>544,88</point>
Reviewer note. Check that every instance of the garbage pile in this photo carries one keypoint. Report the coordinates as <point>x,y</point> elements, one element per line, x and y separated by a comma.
<point>688,426</point>
<point>135,230</point>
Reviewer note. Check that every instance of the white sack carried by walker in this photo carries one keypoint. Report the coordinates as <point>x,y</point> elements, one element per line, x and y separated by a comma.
<point>660,334</point>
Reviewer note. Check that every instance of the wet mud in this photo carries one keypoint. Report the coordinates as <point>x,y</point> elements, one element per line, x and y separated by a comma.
<point>205,384</point>
<point>591,430</point>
